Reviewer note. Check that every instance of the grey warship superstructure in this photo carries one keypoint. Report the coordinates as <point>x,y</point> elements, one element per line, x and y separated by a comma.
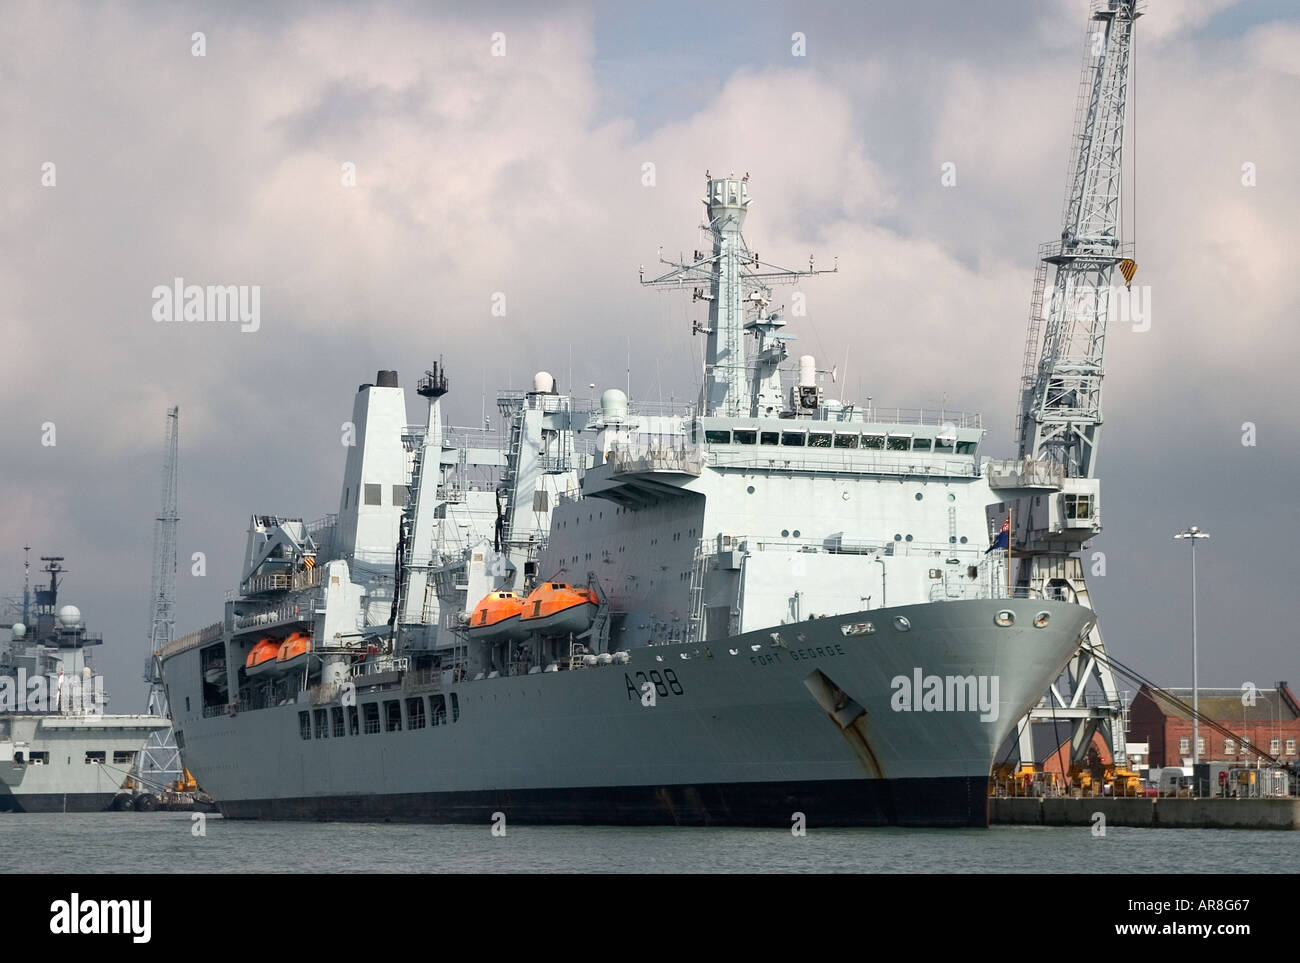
<point>770,603</point>
<point>59,750</point>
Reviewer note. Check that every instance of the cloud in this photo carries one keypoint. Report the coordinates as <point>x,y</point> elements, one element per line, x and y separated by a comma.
<point>479,174</point>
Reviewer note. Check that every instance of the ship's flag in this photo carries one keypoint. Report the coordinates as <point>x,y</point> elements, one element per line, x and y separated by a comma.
<point>1004,537</point>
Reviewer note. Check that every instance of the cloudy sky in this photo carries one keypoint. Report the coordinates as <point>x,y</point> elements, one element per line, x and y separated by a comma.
<point>523,174</point>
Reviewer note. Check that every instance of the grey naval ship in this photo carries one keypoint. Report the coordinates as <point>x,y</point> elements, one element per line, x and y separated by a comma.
<point>59,750</point>
<point>769,603</point>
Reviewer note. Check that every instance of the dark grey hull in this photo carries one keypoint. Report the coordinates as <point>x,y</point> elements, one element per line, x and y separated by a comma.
<point>941,802</point>
<point>72,802</point>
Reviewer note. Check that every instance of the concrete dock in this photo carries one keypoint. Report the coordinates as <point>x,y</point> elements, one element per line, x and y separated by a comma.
<point>1152,813</point>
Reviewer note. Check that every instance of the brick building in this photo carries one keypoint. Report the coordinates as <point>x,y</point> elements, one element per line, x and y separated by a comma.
<point>1271,725</point>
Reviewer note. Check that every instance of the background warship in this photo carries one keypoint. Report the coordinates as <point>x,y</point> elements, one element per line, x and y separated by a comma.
<point>59,751</point>
<point>772,602</point>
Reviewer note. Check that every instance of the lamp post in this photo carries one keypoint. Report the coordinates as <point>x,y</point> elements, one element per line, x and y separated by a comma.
<point>1192,533</point>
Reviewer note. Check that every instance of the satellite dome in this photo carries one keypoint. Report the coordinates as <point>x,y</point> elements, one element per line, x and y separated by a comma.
<point>544,383</point>
<point>613,405</point>
<point>18,630</point>
<point>69,616</point>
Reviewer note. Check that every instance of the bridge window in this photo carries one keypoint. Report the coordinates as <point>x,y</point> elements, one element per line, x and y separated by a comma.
<point>769,437</point>
<point>438,709</point>
<point>817,440</point>
<point>36,758</point>
<point>793,439</point>
<point>900,443</point>
<point>846,441</point>
<point>373,494</point>
<point>965,447</point>
<point>921,444</point>
<point>399,496</point>
<point>745,437</point>
<point>354,727</point>
<point>123,757</point>
<point>370,712</point>
<point>415,713</point>
<point>321,718</point>
<point>304,726</point>
<point>455,708</point>
<point>393,715</point>
<point>718,437</point>
<point>873,441</point>
<point>336,717</point>
<point>943,444</point>
<point>1078,506</point>
<point>1229,747</point>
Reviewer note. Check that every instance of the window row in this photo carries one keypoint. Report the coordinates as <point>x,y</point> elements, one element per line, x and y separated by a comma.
<point>838,439</point>
<point>390,715</point>
<point>373,495</point>
<point>1230,747</point>
<point>94,757</point>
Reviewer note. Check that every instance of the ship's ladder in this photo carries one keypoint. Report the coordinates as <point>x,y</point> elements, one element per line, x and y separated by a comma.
<point>698,567</point>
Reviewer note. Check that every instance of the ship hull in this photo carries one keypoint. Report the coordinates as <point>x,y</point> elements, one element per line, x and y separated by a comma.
<point>70,802</point>
<point>750,730</point>
<point>84,760</point>
<point>956,801</point>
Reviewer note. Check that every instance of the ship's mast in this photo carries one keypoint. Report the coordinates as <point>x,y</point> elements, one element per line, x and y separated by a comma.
<point>1061,399</point>
<point>732,279</point>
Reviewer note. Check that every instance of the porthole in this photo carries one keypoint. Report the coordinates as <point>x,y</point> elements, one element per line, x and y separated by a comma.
<point>963,539</point>
<point>1005,617</point>
<point>750,489</point>
<point>908,538</point>
<point>1041,620</point>
<point>919,496</point>
<point>844,495</point>
<point>785,533</point>
<point>952,497</point>
<point>796,533</point>
<point>901,624</point>
<point>898,538</point>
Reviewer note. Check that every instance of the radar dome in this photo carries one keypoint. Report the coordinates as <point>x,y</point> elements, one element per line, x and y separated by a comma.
<point>544,383</point>
<point>69,616</point>
<point>613,405</point>
<point>18,630</point>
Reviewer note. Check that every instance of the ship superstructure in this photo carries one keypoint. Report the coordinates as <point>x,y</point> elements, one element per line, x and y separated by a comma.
<point>770,602</point>
<point>59,750</point>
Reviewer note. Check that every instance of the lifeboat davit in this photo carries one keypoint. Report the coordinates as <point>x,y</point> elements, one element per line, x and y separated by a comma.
<point>294,652</point>
<point>496,618</point>
<point>557,608</point>
<point>261,660</point>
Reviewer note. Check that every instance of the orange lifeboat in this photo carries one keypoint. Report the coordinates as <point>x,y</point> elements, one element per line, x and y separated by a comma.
<point>557,608</point>
<point>261,659</point>
<point>496,618</point>
<point>294,652</point>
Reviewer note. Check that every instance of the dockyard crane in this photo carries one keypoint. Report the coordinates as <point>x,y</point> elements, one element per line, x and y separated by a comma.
<point>160,763</point>
<point>1051,494</point>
